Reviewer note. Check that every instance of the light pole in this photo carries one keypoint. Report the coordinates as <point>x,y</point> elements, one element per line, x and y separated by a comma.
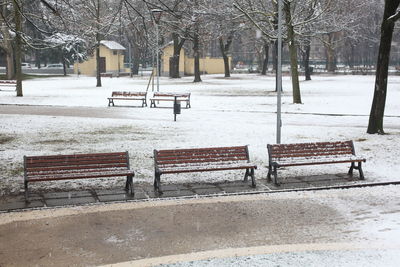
<point>156,13</point>
<point>279,76</point>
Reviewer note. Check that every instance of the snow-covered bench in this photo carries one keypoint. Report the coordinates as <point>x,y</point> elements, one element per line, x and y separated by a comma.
<point>161,96</point>
<point>202,160</point>
<point>8,83</point>
<point>77,166</point>
<point>284,155</point>
<point>128,96</point>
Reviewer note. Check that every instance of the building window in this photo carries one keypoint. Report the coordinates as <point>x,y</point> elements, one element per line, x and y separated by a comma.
<point>115,52</point>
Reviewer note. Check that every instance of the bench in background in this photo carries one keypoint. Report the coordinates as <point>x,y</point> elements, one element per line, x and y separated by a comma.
<point>8,83</point>
<point>159,96</point>
<point>77,166</point>
<point>128,96</point>
<point>202,160</point>
<point>285,155</point>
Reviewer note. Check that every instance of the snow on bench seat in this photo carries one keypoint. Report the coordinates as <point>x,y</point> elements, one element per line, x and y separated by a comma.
<point>284,155</point>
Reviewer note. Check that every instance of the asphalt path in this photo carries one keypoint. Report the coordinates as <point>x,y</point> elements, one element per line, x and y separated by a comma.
<point>173,230</point>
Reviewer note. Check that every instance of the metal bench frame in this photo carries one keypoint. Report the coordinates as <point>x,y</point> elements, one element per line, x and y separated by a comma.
<point>300,154</point>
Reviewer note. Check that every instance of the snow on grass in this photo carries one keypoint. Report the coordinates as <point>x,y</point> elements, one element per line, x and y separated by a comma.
<point>70,115</point>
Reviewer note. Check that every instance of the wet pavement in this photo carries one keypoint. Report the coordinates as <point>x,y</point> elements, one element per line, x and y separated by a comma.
<point>169,230</point>
<point>146,191</point>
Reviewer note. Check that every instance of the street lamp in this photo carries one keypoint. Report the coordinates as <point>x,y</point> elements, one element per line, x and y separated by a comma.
<point>279,76</point>
<point>156,13</point>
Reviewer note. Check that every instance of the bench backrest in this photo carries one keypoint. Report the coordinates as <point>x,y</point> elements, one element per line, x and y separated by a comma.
<point>127,94</point>
<point>181,95</point>
<point>57,164</point>
<point>10,82</point>
<point>165,158</point>
<point>312,150</point>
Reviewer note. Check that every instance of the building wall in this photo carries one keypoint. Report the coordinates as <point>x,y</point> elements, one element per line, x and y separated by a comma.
<point>168,52</point>
<point>88,67</point>
<point>208,65</point>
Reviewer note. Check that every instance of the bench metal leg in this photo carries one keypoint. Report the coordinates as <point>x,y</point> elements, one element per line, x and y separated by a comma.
<point>153,104</point>
<point>188,104</point>
<point>275,173</point>
<point>144,104</point>
<point>253,179</point>
<point>360,171</point>
<point>246,175</point>
<point>358,167</point>
<point>250,172</point>
<point>26,190</point>
<point>110,102</point>
<point>157,185</point>
<point>129,185</point>
<point>350,173</point>
<point>269,174</point>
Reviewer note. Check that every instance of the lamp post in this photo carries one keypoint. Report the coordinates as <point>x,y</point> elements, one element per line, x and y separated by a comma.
<point>156,13</point>
<point>279,76</point>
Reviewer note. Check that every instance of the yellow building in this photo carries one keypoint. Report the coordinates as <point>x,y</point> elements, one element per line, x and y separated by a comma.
<point>208,65</point>
<point>111,60</point>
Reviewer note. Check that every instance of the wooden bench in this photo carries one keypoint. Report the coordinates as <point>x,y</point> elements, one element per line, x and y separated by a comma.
<point>202,160</point>
<point>158,96</point>
<point>284,155</point>
<point>106,74</point>
<point>8,83</point>
<point>128,96</point>
<point>77,166</point>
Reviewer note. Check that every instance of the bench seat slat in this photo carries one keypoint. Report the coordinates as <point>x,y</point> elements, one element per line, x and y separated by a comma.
<point>204,167</point>
<point>315,160</point>
<point>201,160</point>
<point>72,170</point>
<point>79,175</point>
<point>77,168</point>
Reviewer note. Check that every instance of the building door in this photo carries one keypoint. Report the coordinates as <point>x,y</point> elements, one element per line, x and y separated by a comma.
<point>102,64</point>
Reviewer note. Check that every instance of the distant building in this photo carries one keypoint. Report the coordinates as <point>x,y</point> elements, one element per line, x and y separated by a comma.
<point>111,60</point>
<point>208,65</point>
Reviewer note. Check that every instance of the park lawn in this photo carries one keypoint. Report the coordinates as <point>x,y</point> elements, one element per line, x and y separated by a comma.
<point>62,115</point>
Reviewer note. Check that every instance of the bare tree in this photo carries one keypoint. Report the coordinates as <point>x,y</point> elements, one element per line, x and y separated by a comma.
<point>390,15</point>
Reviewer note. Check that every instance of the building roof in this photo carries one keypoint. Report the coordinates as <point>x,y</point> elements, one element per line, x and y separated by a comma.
<point>112,45</point>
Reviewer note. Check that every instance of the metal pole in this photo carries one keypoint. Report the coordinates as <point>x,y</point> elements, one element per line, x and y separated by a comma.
<point>130,60</point>
<point>158,67</point>
<point>279,76</point>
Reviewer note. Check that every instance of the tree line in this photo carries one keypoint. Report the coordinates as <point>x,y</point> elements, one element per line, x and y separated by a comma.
<point>75,29</point>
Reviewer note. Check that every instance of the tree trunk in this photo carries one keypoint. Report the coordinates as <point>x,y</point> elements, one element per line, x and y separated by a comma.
<point>178,44</point>
<point>63,63</point>
<point>293,55</point>
<point>265,61</point>
<point>136,58</point>
<point>18,47</point>
<point>10,71</point>
<point>98,76</point>
<point>307,70</point>
<point>224,51</point>
<point>330,54</point>
<point>375,124</point>
<point>196,48</point>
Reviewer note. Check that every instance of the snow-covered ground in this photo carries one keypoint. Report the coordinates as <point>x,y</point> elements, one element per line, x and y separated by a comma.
<point>236,111</point>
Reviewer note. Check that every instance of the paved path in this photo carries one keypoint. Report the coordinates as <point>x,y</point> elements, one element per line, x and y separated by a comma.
<point>150,232</point>
<point>90,112</point>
